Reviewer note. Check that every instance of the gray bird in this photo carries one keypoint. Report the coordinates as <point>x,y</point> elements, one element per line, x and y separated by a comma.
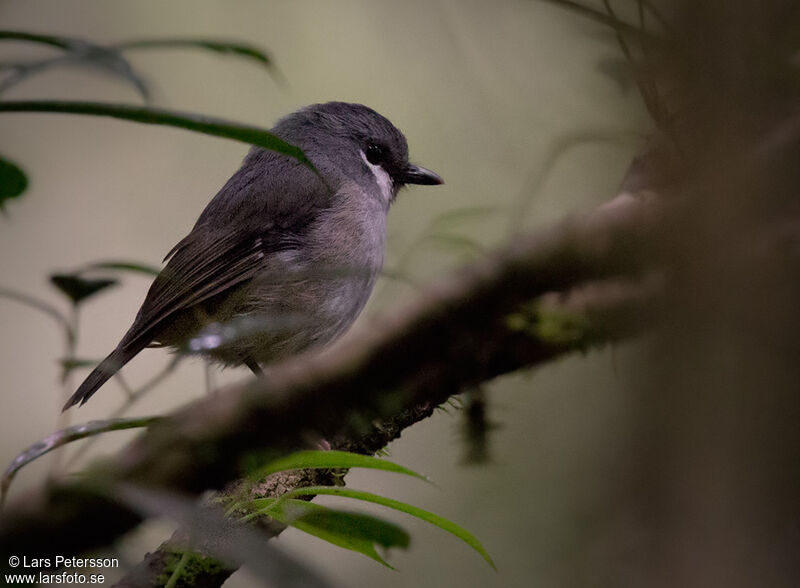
<point>292,251</point>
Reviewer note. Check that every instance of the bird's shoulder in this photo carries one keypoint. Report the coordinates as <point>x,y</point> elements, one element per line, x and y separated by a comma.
<point>265,207</point>
<point>268,191</point>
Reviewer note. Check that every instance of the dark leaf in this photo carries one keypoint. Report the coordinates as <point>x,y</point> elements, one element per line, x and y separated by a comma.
<point>77,51</point>
<point>233,48</point>
<point>160,116</point>
<point>123,266</point>
<point>434,519</point>
<point>57,41</point>
<point>354,531</point>
<point>13,181</point>
<point>301,460</point>
<point>218,46</point>
<point>476,427</point>
<point>78,289</point>
<point>71,363</point>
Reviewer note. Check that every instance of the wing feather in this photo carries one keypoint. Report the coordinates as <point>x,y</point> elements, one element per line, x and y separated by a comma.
<point>195,273</point>
<point>267,203</point>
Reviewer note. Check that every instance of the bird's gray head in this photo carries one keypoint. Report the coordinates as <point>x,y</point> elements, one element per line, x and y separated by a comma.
<point>353,142</point>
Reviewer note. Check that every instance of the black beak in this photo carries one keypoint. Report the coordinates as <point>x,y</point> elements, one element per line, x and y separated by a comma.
<point>415,174</point>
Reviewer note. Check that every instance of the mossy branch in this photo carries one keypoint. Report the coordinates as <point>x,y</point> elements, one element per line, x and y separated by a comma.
<point>364,394</point>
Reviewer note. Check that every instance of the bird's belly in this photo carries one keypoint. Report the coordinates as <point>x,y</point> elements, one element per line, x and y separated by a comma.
<point>306,313</point>
<point>300,299</point>
<point>326,285</point>
<point>281,312</point>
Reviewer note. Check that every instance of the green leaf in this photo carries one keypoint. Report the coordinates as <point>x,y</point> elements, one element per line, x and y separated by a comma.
<point>429,517</point>
<point>122,266</point>
<point>78,289</point>
<point>72,363</point>
<point>108,59</point>
<point>160,116</point>
<point>331,460</point>
<point>57,41</point>
<point>68,364</point>
<point>13,182</point>
<point>354,531</point>
<point>220,46</point>
<point>63,437</point>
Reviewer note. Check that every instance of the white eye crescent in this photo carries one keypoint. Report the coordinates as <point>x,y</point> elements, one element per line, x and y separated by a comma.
<point>385,183</point>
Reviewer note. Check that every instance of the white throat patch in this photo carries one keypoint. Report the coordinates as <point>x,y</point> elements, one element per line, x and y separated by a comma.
<point>384,180</point>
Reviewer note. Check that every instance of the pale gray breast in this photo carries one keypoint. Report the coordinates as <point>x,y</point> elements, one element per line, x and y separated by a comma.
<point>325,284</point>
<point>351,239</point>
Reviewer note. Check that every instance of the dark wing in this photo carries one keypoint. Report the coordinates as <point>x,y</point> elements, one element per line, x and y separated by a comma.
<point>194,274</point>
<point>199,269</point>
<point>268,202</point>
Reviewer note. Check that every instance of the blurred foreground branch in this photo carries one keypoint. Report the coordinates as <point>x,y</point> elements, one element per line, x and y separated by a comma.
<point>591,313</point>
<point>480,323</point>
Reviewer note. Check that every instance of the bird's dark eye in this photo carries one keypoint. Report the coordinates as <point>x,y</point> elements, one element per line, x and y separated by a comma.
<point>374,154</point>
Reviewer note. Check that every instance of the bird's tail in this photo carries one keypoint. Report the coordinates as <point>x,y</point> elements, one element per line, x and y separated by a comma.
<point>100,375</point>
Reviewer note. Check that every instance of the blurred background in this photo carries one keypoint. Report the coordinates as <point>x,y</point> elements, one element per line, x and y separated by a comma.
<point>522,107</point>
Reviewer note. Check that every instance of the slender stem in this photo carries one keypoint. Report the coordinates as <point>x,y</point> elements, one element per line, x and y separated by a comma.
<point>63,418</point>
<point>161,116</point>
<point>133,397</point>
<point>65,436</point>
<point>176,573</point>
<point>40,305</point>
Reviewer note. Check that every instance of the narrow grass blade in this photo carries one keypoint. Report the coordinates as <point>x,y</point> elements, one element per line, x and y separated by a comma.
<point>331,460</point>
<point>76,50</point>
<point>160,116</point>
<point>429,517</point>
<point>354,531</point>
<point>64,436</point>
<point>220,46</point>
<point>122,266</point>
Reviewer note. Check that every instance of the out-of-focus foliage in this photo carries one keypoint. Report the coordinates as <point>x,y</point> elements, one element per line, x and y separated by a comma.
<point>208,125</point>
<point>329,460</point>
<point>106,60</point>
<point>265,506</point>
<point>61,438</point>
<point>13,182</point>
<point>77,288</point>
<point>109,60</point>
<point>352,531</point>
